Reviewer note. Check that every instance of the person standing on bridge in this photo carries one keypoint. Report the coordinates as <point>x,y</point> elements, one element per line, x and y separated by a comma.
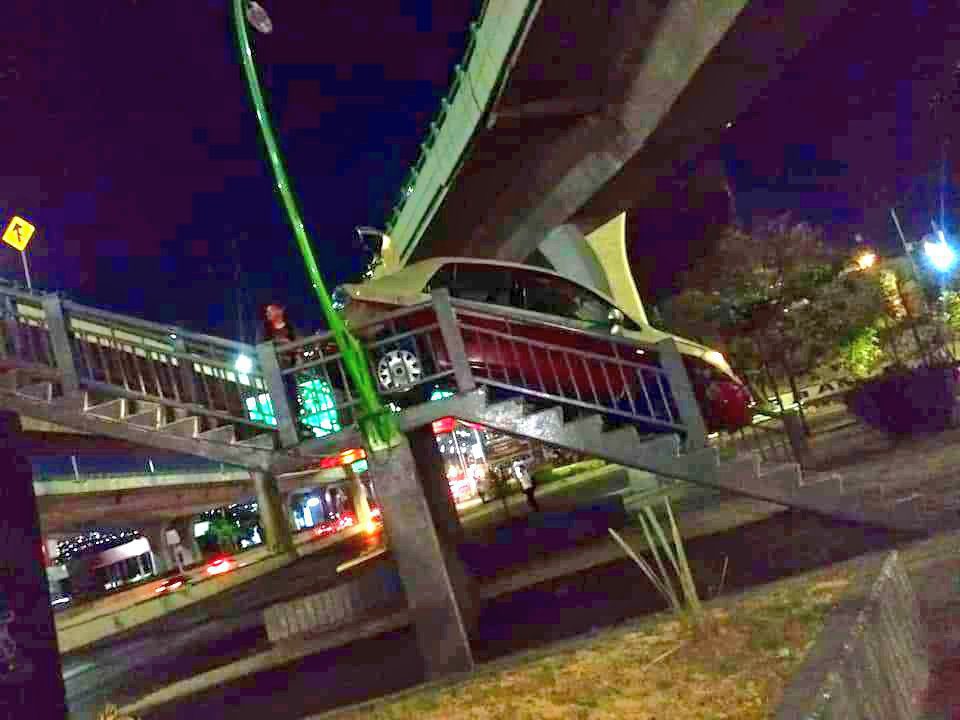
<point>277,328</point>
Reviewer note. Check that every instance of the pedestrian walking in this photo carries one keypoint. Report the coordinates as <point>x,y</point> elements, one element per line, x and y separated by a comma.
<point>522,474</point>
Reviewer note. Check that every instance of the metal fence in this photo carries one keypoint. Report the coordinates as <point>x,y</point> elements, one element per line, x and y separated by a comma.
<point>442,347</point>
<point>418,353</point>
<point>597,372</point>
<point>120,356</point>
<point>769,440</point>
<point>25,337</point>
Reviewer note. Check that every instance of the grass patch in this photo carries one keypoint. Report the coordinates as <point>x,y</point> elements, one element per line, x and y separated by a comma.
<point>547,473</point>
<point>656,668</point>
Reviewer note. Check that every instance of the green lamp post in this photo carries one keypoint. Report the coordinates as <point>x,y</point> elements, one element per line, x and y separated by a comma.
<point>376,422</point>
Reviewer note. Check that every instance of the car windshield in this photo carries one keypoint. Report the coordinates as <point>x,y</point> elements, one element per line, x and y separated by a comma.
<point>526,289</point>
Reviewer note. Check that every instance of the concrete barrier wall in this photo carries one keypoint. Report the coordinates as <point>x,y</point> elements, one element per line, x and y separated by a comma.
<point>870,662</point>
<point>375,589</point>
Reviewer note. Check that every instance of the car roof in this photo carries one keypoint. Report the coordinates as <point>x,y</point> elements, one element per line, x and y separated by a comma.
<point>415,276</point>
<point>412,278</point>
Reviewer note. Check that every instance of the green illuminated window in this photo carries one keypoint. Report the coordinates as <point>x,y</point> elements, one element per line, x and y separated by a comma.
<point>318,408</point>
<point>441,394</point>
<point>360,466</point>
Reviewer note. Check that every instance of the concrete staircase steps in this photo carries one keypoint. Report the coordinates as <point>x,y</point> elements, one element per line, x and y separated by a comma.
<point>8,380</point>
<point>544,423</point>
<point>111,410</point>
<point>625,437</point>
<point>185,427</point>
<point>150,417</point>
<point>588,426</point>
<point>506,410</point>
<point>226,434</point>
<point>265,441</point>
<point>42,391</point>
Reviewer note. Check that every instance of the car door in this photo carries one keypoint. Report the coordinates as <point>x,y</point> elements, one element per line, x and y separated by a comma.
<point>484,332</point>
<point>578,320</point>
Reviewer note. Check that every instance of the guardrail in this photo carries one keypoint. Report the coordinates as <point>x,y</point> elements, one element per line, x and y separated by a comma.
<point>770,440</point>
<point>454,346</point>
<point>122,356</point>
<point>440,345</point>
<point>478,81</point>
<point>42,477</point>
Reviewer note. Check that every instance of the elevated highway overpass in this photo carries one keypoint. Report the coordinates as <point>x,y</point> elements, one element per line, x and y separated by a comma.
<point>562,116</point>
<point>144,499</point>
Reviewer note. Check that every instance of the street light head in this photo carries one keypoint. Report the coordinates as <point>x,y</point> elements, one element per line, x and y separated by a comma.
<point>243,365</point>
<point>258,18</point>
<point>940,254</point>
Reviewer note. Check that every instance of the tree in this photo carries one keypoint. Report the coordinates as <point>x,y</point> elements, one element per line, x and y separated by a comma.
<point>778,301</point>
<point>226,533</point>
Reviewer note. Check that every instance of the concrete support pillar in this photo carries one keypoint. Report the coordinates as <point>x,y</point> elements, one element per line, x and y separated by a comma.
<point>286,500</point>
<point>189,548</point>
<point>567,250</point>
<point>431,468</point>
<point>358,496</point>
<point>798,438</point>
<point>278,538</point>
<point>163,559</point>
<point>434,578</point>
<point>31,680</point>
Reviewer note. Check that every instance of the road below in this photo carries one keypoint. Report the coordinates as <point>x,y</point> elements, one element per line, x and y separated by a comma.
<point>210,633</point>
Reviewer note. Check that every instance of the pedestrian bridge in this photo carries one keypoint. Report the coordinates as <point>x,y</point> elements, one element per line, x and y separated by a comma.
<point>120,377</point>
<point>154,385</point>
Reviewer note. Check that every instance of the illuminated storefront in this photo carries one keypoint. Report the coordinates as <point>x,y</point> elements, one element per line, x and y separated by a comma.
<point>465,462</point>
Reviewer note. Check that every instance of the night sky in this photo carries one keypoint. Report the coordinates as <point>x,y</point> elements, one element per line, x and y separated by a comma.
<point>130,143</point>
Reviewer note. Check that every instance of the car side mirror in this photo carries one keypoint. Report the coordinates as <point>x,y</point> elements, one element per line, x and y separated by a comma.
<point>615,318</point>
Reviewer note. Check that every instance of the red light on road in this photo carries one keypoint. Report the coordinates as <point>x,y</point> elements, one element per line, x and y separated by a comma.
<point>218,567</point>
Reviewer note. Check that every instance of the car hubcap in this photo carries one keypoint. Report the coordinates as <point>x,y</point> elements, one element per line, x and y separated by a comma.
<point>399,370</point>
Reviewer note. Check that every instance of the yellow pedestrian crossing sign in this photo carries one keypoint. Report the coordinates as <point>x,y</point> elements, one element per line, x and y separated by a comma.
<point>18,233</point>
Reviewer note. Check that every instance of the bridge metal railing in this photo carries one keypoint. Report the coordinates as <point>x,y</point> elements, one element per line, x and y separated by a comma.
<point>121,475</point>
<point>769,440</point>
<point>478,81</point>
<point>121,356</point>
<point>434,349</point>
<point>442,347</point>
<point>24,335</point>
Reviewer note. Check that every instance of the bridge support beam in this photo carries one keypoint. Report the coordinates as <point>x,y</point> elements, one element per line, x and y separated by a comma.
<point>433,575</point>
<point>276,526</point>
<point>163,557</point>
<point>31,680</point>
<point>189,547</point>
<point>358,496</point>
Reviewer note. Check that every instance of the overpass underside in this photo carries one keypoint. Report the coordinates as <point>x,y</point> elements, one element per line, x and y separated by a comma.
<point>602,109</point>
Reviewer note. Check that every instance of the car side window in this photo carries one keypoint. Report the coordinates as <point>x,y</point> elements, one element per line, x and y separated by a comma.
<point>481,283</point>
<point>555,296</point>
<point>442,279</point>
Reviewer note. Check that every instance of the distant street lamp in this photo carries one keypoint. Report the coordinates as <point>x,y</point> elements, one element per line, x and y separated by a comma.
<point>376,422</point>
<point>866,260</point>
<point>939,253</point>
<point>243,365</point>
